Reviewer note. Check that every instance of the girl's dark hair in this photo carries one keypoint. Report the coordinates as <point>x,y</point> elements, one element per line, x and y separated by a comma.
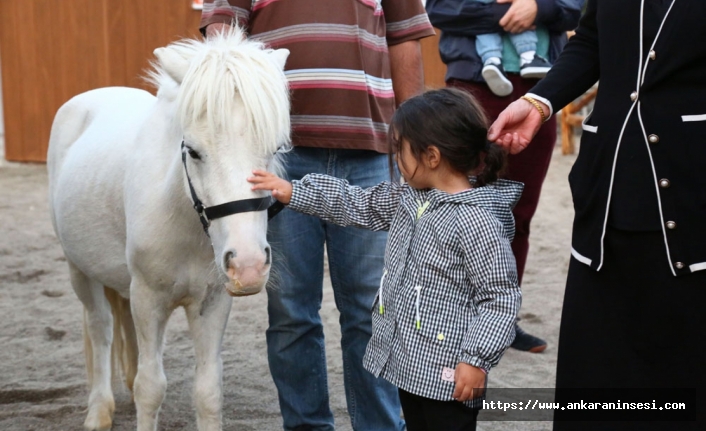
<point>453,121</point>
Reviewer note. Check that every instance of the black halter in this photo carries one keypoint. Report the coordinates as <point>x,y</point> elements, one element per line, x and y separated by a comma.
<point>206,214</point>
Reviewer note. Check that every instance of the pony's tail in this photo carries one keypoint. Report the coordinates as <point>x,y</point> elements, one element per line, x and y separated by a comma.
<point>124,349</point>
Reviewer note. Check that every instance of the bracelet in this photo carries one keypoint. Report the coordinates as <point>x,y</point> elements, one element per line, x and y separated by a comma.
<point>536,105</point>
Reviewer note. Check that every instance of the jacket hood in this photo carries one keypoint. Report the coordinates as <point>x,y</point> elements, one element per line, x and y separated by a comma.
<point>499,197</point>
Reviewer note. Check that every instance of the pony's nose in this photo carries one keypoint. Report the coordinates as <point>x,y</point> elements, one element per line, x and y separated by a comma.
<point>249,270</point>
<point>227,258</point>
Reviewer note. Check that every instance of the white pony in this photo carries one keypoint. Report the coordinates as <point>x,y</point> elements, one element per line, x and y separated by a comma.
<point>123,208</point>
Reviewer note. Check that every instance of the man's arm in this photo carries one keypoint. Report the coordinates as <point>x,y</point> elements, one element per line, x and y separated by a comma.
<point>466,18</point>
<point>407,70</point>
<point>556,15</point>
<point>559,15</point>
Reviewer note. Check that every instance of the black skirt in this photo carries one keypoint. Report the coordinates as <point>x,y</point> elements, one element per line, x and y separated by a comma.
<point>632,325</point>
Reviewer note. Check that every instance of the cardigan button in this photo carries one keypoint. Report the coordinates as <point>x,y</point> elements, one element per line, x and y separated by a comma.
<point>679,265</point>
<point>633,96</point>
<point>440,337</point>
<point>653,139</point>
<point>664,183</point>
<point>671,225</point>
<point>653,54</point>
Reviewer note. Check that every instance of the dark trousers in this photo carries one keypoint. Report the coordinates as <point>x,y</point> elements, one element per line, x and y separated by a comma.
<point>425,414</point>
<point>529,167</point>
<point>632,325</point>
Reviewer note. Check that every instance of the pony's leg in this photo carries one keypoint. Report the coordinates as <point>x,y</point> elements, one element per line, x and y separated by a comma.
<point>150,313</point>
<point>207,321</point>
<point>98,336</point>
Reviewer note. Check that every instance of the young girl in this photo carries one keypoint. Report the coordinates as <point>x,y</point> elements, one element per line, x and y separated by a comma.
<point>448,298</point>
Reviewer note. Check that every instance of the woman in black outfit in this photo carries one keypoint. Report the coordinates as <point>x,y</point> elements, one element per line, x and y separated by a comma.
<point>634,311</point>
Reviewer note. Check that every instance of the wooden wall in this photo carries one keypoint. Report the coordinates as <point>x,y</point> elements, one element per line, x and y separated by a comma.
<point>434,69</point>
<point>53,50</point>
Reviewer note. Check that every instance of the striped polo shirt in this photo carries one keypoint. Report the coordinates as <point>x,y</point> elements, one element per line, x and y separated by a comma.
<point>338,68</point>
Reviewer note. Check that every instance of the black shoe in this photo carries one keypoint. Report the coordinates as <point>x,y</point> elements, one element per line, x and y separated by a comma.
<point>497,81</point>
<point>537,68</point>
<point>526,342</point>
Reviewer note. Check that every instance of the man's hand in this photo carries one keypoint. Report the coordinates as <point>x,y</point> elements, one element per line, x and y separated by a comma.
<point>470,382</point>
<point>281,189</point>
<point>520,17</point>
<point>516,125</point>
<point>217,27</point>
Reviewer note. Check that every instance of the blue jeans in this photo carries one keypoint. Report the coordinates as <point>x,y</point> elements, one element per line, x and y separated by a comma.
<point>491,44</point>
<point>295,337</point>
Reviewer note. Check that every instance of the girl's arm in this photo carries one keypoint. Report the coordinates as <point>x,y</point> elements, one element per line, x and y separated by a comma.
<point>334,200</point>
<point>492,269</point>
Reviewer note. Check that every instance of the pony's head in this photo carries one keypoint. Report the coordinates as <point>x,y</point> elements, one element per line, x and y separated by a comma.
<point>231,105</point>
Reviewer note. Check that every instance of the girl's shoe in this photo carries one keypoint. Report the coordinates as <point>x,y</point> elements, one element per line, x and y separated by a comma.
<point>527,342</point>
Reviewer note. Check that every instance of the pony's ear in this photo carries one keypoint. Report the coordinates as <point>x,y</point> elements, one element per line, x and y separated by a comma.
<point>280,56</point>
<point>173,63</point>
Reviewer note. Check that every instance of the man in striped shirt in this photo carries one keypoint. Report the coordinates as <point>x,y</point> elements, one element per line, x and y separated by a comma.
<point>351,63</point>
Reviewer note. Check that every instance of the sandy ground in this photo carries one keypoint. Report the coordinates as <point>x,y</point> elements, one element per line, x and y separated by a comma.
<point>42,376</point>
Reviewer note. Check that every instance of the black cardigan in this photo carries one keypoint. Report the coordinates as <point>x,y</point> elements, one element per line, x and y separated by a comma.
<point>663,89</point>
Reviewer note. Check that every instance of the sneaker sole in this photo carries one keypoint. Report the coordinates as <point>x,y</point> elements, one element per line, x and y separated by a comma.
<point>534,72</point>
<point>538,349</point>
<point>498,84</point>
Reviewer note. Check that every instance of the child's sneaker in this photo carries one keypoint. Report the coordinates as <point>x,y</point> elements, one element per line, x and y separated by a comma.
<point>495,77</point>
<point>527,342</point>
<point>537,68</point>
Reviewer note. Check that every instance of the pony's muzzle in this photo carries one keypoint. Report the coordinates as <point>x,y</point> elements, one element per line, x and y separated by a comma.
<point>247,275</point>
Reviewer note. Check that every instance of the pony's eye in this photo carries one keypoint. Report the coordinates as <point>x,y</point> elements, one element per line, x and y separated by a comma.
<point>193,154</point>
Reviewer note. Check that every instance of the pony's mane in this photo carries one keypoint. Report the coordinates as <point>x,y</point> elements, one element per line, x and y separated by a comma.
<point>222,67</point>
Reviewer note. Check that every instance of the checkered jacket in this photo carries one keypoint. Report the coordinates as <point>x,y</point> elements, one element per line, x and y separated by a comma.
<point>449,290</point>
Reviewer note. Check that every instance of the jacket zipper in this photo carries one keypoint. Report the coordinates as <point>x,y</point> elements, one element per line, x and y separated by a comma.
<point>418,317</point>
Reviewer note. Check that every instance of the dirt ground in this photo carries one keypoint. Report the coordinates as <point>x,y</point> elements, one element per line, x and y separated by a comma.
<point>42,375</point>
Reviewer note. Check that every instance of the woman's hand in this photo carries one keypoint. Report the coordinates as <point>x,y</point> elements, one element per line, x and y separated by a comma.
<point>470,382</point>
<point>516,125</point>
<point>281,189</point>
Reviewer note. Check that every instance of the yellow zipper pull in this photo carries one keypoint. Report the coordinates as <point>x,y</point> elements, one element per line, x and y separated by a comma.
<point>421,208</point>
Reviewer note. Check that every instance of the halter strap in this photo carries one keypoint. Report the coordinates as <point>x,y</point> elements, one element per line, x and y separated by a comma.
<point>206,214</point>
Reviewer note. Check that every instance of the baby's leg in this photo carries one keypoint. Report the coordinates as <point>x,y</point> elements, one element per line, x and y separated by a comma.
<point>490,49</point>
<point>531,65</point>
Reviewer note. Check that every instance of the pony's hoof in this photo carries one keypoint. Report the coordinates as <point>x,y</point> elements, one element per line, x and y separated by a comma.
<point>99,419</point>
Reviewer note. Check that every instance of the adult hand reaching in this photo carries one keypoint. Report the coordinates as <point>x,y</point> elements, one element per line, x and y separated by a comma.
<point>520,17</point>
<point>516,126</point>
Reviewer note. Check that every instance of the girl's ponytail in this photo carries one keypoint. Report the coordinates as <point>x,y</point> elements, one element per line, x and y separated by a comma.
<point>454,122</point>
<point>493,164</point>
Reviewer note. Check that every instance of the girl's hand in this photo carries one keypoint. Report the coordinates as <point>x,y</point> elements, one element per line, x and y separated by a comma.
<point>263,180</point>
<point>470,382</point>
